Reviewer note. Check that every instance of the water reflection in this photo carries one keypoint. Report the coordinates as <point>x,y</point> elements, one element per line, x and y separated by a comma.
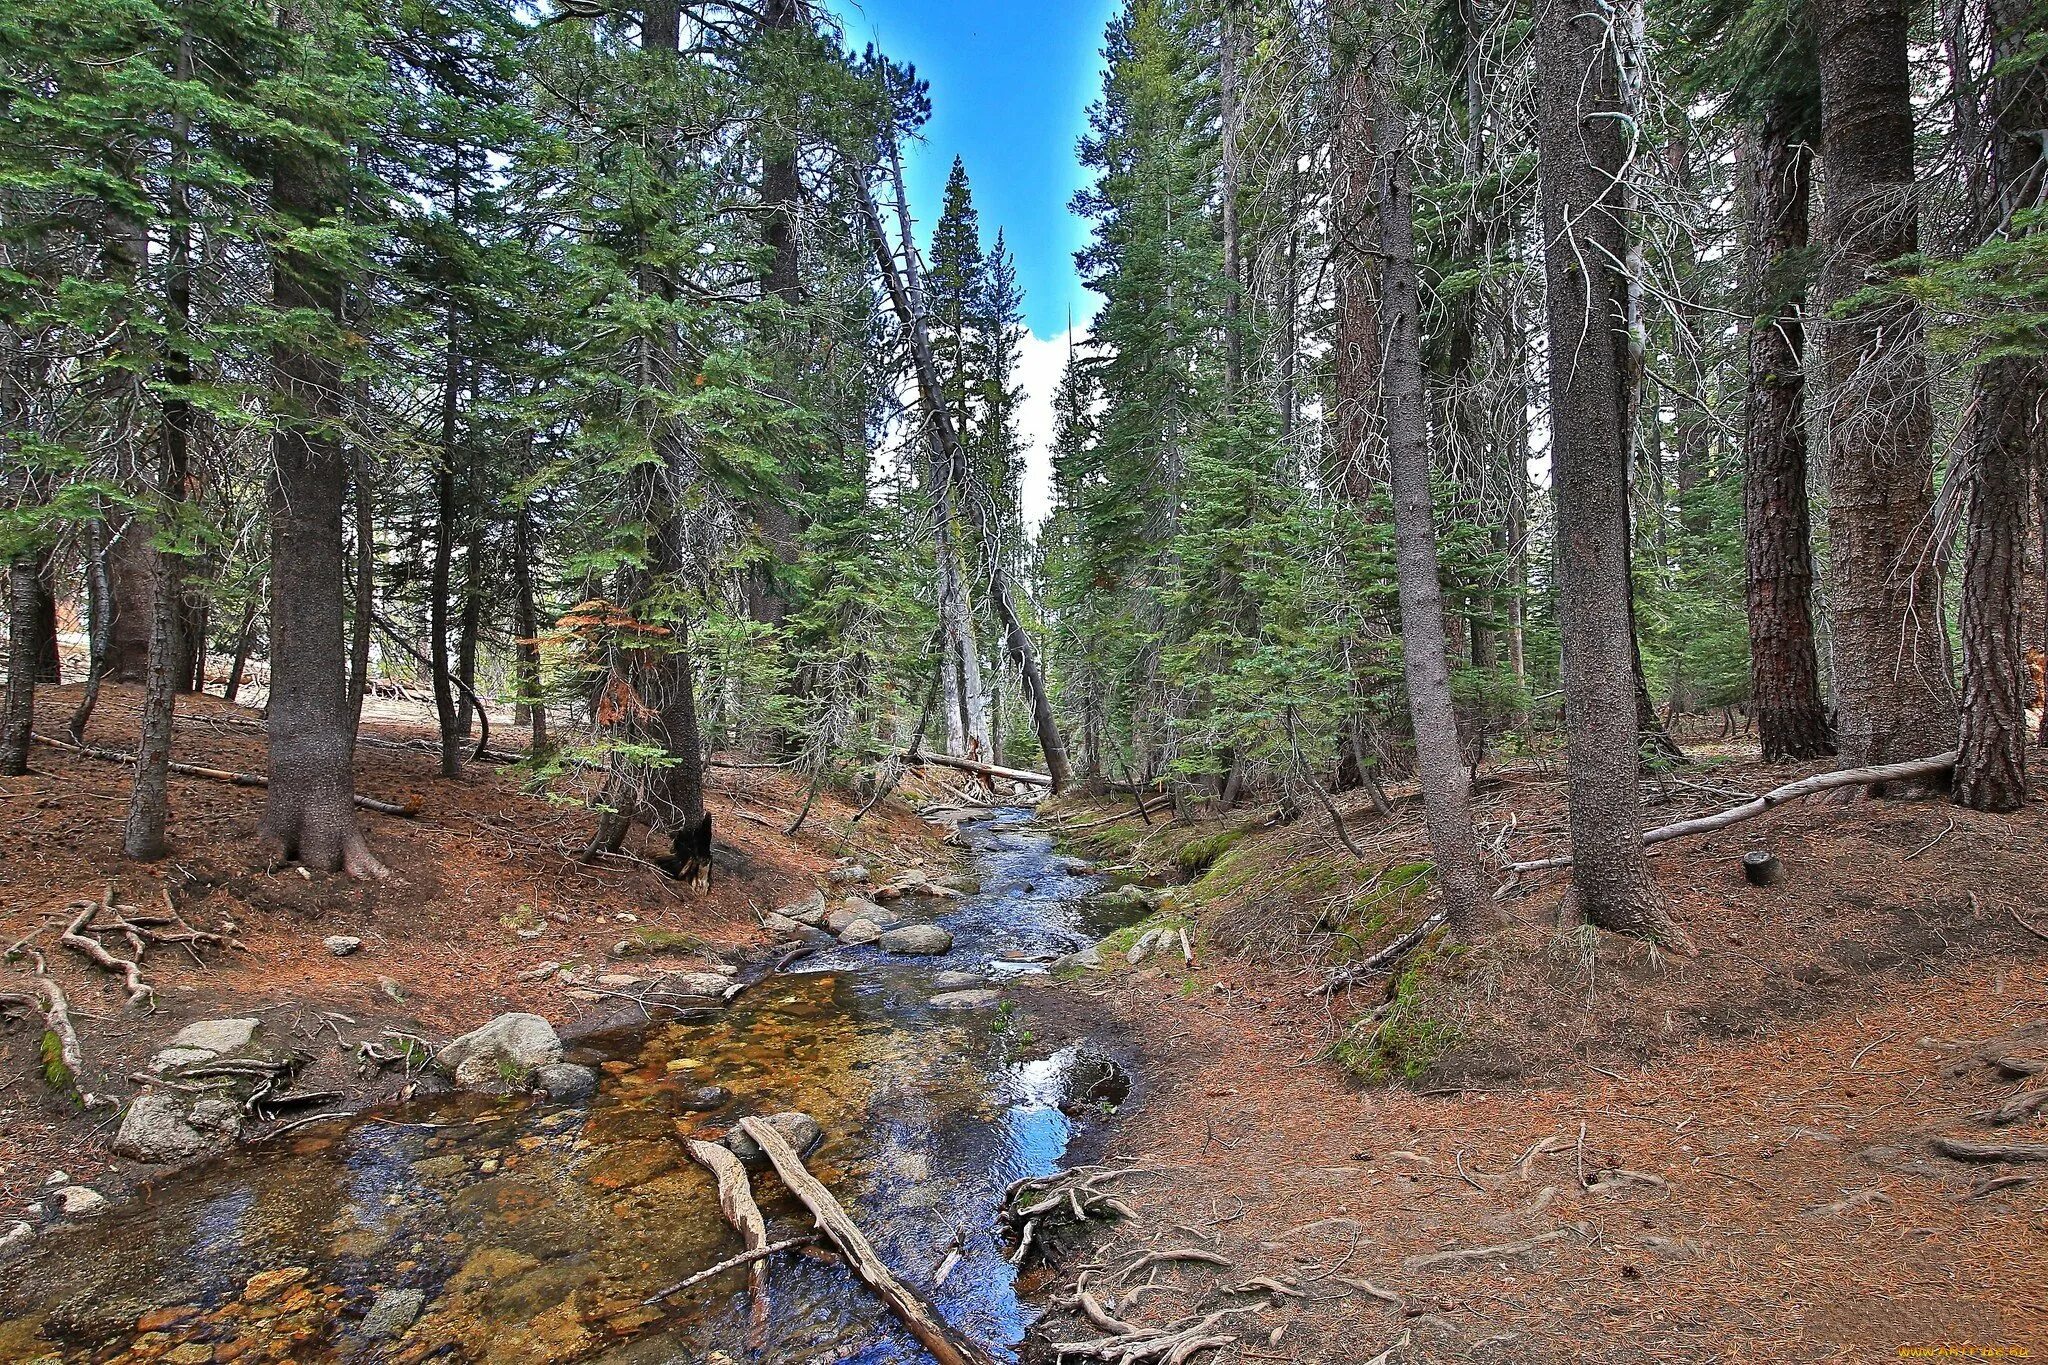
<point>533,1234</point>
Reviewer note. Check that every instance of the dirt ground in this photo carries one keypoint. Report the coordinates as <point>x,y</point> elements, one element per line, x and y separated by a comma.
<point>486,886</point>
<point>1634,1156</point>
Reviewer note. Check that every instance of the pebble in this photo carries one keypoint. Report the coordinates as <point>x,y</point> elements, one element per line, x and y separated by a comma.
<point>392,1312</point>
<point>704,1098</point>
<point>341,945</point>
<point>77,1201</point>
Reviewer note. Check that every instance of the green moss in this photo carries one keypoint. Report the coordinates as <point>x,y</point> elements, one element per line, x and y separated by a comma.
<point>56,1075</point>
<point>1401,1041</point>
<point>656,940</point>
<point>1197,855</point>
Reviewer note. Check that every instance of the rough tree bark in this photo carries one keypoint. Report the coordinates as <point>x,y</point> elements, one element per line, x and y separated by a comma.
<point>311,812</point>
<point>1891,656</point>
<point>1784,668</point>
<point>1991,773</point>
<point>1579,127</point>
<point>49,657</point>
<point>17,713</point>
<point>447,508</point>
<point>525,630</point>
<point>1439,756</point>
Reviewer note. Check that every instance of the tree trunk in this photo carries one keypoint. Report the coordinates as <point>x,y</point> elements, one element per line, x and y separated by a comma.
<point>99,599</point>
<point>1891,655</point>
<point>440,586</point>
<point>1579,128</point>
<point>245,640</point>
<point>1232,101</point>
<point>466,631</point>
<point>364,616</point>
<point>49,658</point>
<point>1360,454</point>
<point>18,713</point>
<point>1439,756</point>
<point>311,812</point>
<point>526,629</point>
<point>131,578</point>
<point>1991,773</point>
<point>1784,669</point>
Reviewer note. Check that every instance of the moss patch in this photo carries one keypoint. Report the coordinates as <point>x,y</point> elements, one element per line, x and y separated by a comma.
<point>1197,855</point>
<point>1402,1039</point>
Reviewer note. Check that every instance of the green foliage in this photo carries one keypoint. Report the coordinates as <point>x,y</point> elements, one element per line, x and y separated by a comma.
<point>1402,1039</point>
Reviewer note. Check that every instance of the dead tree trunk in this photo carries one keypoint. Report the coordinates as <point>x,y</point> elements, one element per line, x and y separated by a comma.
<point>1439,755</point>
<point>1579,125</point>
<point>1891,654</point>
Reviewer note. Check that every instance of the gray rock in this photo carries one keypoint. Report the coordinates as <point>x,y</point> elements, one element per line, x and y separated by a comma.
<point>887,919</point>
<point>782,926</point>
<point>565,1082</point>
<point>1088,959</point>
<point>521,1041</point>
<point>15,1238</point>
<point>810,910</point>
<point>847,874</point>
<point>215,1037</point>
<point>1142,949</point>
<point>917,940</point>
<point>837,920</point>
<point>966,1000</point>
<point>392,1312</point>
<point>860,931</point>
<point>1074,867</point>
<point>704,1099</point>
<point>162,1126</point>
<point>618,981</point>
<point>77,1201</point>
<point>705,985</point>
<point>171,1058</point>
<point>341,945</point>
<point>959,981</point>
<point>799,1130</point>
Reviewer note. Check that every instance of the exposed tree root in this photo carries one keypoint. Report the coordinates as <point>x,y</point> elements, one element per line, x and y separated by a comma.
<point>1463,1254</point>
<point>140,992</point>
<point>1959,1149</point>
<point>66,1068</point>
<point>1152,1258</point>
<point>2023,1105</point>
<point>1068,1198</point>
<point>1165,1345</point>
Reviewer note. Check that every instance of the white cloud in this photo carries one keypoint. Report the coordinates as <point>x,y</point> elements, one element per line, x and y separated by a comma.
<point>1040,363</point>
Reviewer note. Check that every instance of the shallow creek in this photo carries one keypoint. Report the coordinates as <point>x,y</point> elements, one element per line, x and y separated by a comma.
<point>529,1232</point>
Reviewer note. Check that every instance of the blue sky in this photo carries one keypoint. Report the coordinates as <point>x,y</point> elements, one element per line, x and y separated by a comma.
<point>1010,84</point>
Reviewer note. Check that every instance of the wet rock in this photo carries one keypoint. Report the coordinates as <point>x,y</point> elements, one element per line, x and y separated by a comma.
<point>565,1082</point>
<point>799,1130</point>
<point>392,1312</point>
<point>1088,959</point>
<point>15,1238</point>
<point>958,981</point>
<point>887,919</point>
<point>164,1126</point>
<point>78,1201</point>
<point>966,1000</point>
<point>507,1049</point>
<point>708,986</point>
<point>704,1099</point>
<point>1123,898</point>
<point>428,1085</point>
<point>917,940</point>
<point>810,910</point>
<point>1074,867</point>
<point>860,931</point>
<point>855,908</point>
<point>341,945</point>
<point>265,1284</point>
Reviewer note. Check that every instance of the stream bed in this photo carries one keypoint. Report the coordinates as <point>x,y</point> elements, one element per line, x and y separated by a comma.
<point>520,1231</point>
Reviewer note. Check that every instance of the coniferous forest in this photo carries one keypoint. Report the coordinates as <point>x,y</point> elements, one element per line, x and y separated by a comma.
<point>539,584</point>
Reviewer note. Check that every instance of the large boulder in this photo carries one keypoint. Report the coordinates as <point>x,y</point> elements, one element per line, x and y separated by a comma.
<point>860,931</point>
<point>799,1130</point>
<point>205,1040</point>
<point>917,940</point>
<point>163,1126</point>
<point>810,910</point>
<point>503,1052</point>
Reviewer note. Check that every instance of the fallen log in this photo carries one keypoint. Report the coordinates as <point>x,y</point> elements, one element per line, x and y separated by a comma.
<point>947,1346</point>
<point>736,1202</point>
<point>968,765</point>
<point>405,811</point>
<point>1777,796</point>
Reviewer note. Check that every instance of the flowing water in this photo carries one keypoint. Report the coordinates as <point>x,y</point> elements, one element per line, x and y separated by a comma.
<point>528,1232</point>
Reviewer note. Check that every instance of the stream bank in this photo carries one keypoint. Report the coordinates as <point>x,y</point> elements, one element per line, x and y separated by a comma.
<point>513,1230</point>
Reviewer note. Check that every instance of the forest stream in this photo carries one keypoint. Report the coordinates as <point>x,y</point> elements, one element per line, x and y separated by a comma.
<point>518,1230</point>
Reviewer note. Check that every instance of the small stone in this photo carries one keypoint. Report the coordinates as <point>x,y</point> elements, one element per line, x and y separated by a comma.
<point>917,940</point>
<point>860,931</point>
<point>265,1284</point>
<point>958,981</point>
<point>966,1000</point>
<point>391,1312</point>
<point>799,1130</point>
<point>77,1201</point>
<point>341,945</point>
<point>1088,959</point>
<point>837,920</point>
<point>15,1238</point>
<point>626,917</point>
<point>628,947</point>
<point>541,972</point>
<point>565,1082</point>
<point>56,1178</point>
<point>704,1099</point>
<point>700,985</point>
<point>810,910</point>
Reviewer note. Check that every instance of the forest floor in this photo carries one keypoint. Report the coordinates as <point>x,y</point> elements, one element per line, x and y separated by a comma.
<point>1629,1155</point>
<point>486,886</point>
